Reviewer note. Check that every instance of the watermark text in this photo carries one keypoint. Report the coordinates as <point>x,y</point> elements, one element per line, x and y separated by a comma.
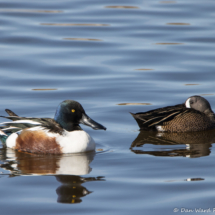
<point>194,210</point>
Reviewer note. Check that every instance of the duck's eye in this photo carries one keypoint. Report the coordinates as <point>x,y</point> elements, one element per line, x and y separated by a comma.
<point>73,110</point>
<point>191,102</point>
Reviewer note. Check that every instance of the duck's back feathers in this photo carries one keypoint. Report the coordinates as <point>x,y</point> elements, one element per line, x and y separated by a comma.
<point>28,122</point>
<point>150,119</point>
<point>10,112</point>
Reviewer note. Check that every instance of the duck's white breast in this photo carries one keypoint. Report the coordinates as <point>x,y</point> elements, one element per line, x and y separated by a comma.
<point>75,142</point>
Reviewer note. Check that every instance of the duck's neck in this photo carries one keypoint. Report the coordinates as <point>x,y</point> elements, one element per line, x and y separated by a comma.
<point>67,125</point>
<point>210,114</point>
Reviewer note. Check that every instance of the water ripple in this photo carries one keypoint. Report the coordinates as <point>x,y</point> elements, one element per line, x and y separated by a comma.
<point>82,39</point>
<point>76,24</point>
<point>30,11</point>
<point>122,7</point>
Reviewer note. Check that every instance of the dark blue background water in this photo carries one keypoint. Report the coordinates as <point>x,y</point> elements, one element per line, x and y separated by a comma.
<point>114,57</point>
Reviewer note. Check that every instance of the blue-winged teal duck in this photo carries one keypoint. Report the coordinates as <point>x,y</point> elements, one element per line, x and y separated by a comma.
<point>50,136</point>
<point>194,115</point>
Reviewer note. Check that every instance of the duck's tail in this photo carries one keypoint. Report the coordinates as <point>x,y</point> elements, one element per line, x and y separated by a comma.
<point>3,137</point>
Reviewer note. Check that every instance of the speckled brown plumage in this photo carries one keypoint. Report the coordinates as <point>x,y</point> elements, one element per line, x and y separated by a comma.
<point>188,121</point>
<point>179,118</point>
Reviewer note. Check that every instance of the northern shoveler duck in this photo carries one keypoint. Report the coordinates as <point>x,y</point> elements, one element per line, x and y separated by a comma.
<point>194,115</point>
<point>50,136</point>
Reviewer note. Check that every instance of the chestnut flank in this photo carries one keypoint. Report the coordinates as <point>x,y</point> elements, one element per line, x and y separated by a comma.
<point>37,142</point>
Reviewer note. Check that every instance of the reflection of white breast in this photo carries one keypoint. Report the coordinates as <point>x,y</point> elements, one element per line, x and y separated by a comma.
<point>74,165</point>
<point>38,164</point>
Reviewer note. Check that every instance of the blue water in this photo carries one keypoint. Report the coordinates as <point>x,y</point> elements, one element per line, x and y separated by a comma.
<point>114,57</point>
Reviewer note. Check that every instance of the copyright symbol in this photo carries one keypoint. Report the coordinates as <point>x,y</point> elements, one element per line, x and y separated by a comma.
<point>175,210</point>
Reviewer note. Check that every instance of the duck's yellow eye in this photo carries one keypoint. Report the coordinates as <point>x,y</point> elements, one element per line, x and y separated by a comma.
<point>73,110</point>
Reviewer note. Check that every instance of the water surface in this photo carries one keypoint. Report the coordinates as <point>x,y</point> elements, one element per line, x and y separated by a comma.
<point>113,57</point>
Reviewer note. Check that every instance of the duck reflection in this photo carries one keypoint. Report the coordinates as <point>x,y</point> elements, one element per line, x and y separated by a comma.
<point>71,190</point>
<point>66,168</point>
<point>197,144</point>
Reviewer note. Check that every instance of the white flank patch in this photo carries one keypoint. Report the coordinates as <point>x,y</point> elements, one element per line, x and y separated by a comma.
<point>75,142</point>
<point>74,165</point>
<point>187,103</point>
<point>159,128</point>
<point>11,140</point>
<point>22,121</point>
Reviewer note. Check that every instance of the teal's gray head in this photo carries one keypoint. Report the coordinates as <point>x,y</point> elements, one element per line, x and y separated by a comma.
<point>199,103</point>
<point>70,114</point>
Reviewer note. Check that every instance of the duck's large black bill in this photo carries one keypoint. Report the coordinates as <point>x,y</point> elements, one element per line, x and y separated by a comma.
<point>86,120</point>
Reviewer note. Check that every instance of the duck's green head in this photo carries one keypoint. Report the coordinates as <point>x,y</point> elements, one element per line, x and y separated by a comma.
<point>70,114</point>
